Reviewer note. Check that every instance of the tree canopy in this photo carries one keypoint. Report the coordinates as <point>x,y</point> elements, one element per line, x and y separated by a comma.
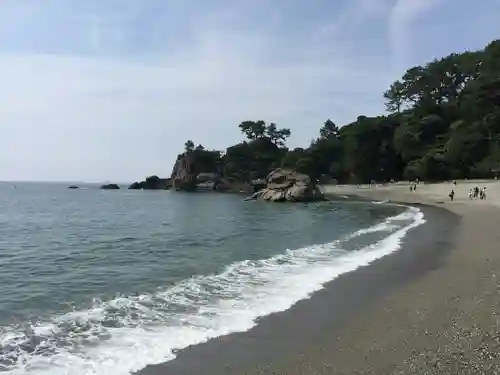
<point>259,130</point>
<point>189,146</point>
<point>442,122</point>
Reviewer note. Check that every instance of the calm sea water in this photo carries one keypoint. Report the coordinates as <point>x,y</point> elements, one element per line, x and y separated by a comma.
<point>106,282</point>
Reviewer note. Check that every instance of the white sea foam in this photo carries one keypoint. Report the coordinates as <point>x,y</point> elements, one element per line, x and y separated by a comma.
<point>380,202</point>
<point>127,333</point>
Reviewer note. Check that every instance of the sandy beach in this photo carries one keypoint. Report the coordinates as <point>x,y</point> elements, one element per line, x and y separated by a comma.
<point>430,194</point>
<point>445,322</point>
<point>431,308</point>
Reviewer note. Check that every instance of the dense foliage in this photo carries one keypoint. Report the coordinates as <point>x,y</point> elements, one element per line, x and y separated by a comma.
<point>251,159</point>
<point>443,122</point>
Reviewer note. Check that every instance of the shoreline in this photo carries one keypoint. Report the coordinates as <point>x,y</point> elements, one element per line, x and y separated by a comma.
<point>271,347</point>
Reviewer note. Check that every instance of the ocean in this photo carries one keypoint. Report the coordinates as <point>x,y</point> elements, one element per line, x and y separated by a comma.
<point>107,282</point>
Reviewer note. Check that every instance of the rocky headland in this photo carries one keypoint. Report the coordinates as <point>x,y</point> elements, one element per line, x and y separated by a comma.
<point>152,183</point>
<point>437,128</point>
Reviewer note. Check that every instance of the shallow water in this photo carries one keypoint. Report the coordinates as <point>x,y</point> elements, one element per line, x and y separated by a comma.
<point>99,282</point>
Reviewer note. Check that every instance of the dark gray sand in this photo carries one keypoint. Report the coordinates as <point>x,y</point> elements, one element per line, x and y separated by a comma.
<point>430,308</point>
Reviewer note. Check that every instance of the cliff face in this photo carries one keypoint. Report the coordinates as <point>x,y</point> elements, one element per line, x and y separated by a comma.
<point>184,172</point>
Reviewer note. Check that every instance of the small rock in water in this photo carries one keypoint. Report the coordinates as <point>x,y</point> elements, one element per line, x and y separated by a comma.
<point>110,187</point>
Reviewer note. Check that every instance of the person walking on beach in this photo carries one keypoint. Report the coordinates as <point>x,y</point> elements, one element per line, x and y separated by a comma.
<point>452,195</point>
<point>482,193</point>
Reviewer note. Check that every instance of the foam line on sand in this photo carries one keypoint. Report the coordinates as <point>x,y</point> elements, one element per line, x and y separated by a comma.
<point>430,308</point>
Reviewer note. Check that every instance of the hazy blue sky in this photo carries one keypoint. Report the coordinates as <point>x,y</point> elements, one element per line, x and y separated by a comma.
<point>110,89</point>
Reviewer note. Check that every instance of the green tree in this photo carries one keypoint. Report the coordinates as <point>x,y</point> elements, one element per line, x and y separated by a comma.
<point>329,130</point>
<point>292,157</point>
<point>277,136</point>
<point>443,122</point>
<point>189,146</point>
<point>253,129</point>
<point>395,97</point>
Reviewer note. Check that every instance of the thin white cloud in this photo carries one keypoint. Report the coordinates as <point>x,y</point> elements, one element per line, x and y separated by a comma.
<point>95,33</point>
<point>77,116</point>
<point>356,13</point>
<point>123,119</point>
<point>401,22</point>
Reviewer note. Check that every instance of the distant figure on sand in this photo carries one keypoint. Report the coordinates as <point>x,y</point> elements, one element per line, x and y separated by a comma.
<point>482,193</point>
<point>452,195</point>
<point>471,193</point>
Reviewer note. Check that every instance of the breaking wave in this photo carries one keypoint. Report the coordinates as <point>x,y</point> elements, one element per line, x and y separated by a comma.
<point>125,334</point>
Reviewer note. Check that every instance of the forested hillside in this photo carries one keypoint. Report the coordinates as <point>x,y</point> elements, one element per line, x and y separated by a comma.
<point>443,122</point>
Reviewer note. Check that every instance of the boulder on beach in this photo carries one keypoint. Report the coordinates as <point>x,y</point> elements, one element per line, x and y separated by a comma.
<point>285,185</point>
<point>258,184</point>
<point>110,187</point>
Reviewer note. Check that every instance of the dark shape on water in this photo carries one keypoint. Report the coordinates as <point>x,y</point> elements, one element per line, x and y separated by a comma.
<point>136,185</point>
<point>152,183</point>
<point>73,187</point>
<point>110,187</point>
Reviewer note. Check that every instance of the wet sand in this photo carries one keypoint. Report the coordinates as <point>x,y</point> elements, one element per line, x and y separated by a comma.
<point>430,308</point>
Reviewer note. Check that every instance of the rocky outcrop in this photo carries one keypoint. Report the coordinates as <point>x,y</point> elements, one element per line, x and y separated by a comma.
<point>184,174</point>
<point>284,185</point>
<point>258,184</point>
<point>232,185</point>
<point>110,187</point>
<point>152,183</point>
<point>207,181</point>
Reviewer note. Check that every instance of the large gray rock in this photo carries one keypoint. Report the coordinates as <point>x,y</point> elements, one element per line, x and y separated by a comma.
<point>207,177</point>
<point>207,181</point>
<point>258,184</point>
<point>185,172</point>
<point>285,185</point>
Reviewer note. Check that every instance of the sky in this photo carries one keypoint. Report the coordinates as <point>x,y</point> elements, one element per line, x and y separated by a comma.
<point>109,90</point>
